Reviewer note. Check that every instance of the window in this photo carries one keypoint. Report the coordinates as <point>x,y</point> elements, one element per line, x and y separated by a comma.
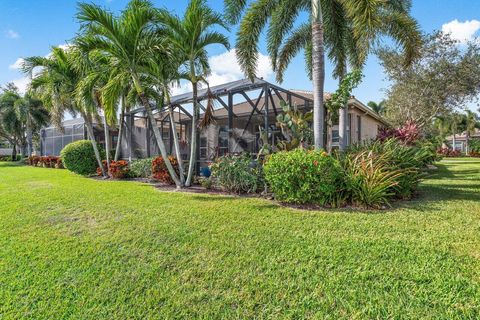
<point>223,141</point>
<point>359,128</point>
<point>335,136</point>
<point>203,147</point>
<point>349,129</point>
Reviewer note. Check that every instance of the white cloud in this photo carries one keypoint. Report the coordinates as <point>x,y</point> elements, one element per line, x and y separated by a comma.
<point>12,34</point>
<point>22,84</point>
<point>461,31</point>
<point>17,64</point>
<point>225,68</point>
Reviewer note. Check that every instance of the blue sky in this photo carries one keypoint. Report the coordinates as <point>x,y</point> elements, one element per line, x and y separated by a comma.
<point>31,27</point>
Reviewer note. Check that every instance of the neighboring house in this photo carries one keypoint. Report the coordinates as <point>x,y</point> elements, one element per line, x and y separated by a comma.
<point>240,111</point>
<point>53,140</point>
<point>461,140</point>
<point>5,148</point>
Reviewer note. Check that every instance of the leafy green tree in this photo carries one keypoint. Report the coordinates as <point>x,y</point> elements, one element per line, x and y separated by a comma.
<point>129,39</point>
<point>440,82</point>
<point>347,29</point>
<point>189,37</point>
<point>471,123</point>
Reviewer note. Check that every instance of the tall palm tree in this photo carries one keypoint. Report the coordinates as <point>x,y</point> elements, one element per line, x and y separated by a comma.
<point>130,39</point>
<point>346,28</point>
<point>31,112</point>
<point>377,107</point>
<point>189,37</point>
<point>56,84</point>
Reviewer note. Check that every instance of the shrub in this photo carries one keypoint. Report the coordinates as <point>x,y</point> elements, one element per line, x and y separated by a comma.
<point>9,158</point>
<point>370,178</point>
<point>237,173</point>
<point>141,168</point>
<point>408,134</point>
<point>447,152</point>
<point>160,171</point>
<point>409,159</point>
<point>79,157</point>
<point>119,169</point>
<point>474,145</point>
<point>301,176</point>
<point>59,164</point>
<point>205,182</point>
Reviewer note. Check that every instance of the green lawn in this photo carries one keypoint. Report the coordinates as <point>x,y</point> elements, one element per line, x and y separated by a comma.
<point>78,248</point>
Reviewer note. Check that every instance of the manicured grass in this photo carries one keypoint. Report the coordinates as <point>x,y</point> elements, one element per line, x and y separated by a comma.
<point>78,248</point>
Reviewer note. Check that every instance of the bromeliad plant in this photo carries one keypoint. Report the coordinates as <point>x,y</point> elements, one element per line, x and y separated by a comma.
<point>370,179</point>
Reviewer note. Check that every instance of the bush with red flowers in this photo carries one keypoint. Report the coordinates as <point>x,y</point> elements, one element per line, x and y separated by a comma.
<point>45,162</point>
<point>409,133</point>
<point>160,171</point>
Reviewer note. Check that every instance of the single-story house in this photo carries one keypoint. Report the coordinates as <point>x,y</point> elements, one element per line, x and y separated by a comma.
<point>461,140</point>
<point>5,148</point>
<point>240,110</point>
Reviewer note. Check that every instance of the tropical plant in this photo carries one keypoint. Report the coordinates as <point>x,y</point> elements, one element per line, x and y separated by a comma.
<point>471,123</point>
<point>80,157</point>
<point>56,83</point>
<point>295,126</point>
<point>190,36</point>
<point>160,171</point>
<point>20,118</point>
<point>237,173</point>
<point>130,40</point>
<point>347,29</point>
<point>377,107</point>
<point>370,179</point>
<point>303,176</point>
<point>141,168</point>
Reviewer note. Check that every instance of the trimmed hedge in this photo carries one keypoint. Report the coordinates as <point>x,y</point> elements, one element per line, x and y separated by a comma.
<point>303,176</point>
<point>79,157</point>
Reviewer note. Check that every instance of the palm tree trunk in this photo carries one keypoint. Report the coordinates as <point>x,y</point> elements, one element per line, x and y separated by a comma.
<point>106,131</point>
<point>89,126</point>
<point>29,136</point>
<point>120,130</point>
<point>318,74</point>
<point>467,143</point>
<point>156,132</point>
<point>454,141</point>
<point>193,142</point>
<point>176,143</point>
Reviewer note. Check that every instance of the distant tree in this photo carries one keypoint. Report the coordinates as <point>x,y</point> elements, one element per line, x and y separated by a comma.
<point>377,107</point>
<point>21,117</point>
<point>443,80</point>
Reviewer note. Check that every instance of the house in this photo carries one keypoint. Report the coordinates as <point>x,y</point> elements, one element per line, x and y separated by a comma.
<point>5,148</point>
<point>53,140</point>
<point>240,110</point>
<point>461,140</point>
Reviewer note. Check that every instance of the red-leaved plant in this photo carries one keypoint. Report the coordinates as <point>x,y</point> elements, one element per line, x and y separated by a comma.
<point>407,134</point>
<point>160,171</point>
<point>118,169</point>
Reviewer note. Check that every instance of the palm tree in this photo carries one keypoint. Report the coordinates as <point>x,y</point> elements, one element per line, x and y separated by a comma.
<point>347,29</point>
<point>377,107</point>
<point>189,37</point>
<point>31,112</point>
<point>129,39</point>
<point>10,124</point>
<point>471,120</point>
<point>56,84</point>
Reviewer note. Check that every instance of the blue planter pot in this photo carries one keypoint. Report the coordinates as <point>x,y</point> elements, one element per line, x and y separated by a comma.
<point>205,172</point>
